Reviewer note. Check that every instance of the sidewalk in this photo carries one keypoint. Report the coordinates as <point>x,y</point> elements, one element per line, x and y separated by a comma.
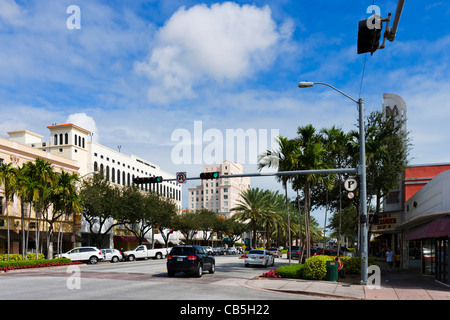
<point>395,285</point>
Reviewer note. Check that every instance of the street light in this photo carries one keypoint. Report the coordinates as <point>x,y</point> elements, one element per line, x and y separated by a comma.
<point>361,172</point>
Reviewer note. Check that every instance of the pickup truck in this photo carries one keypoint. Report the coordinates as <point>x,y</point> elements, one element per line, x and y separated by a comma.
<point>142,252</point>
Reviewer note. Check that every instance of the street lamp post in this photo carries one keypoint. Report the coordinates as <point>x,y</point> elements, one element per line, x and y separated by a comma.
<point>362,174</point>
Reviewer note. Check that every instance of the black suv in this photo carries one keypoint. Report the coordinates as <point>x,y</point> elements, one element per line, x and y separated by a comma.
<point>190,259</point>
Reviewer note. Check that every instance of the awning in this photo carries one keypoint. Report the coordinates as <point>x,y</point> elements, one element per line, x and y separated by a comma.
<point>13,236</point>
<point>128,239</point>
<point>439,228</point>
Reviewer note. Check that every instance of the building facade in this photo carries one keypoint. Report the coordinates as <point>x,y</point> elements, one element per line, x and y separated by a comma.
<point>19,150</point>
<point>221,195</point>
<point>419,229</point>
<point>74,144</point>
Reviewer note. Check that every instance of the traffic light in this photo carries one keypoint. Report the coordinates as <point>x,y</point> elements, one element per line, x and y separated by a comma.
<point>369,33</point>
<point>143,180</point>
<point>209,175</point>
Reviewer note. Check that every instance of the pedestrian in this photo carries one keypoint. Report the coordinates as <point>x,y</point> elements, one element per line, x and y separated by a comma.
<point>390,259</point>
<point>341,268</point>
<point>397,261</point>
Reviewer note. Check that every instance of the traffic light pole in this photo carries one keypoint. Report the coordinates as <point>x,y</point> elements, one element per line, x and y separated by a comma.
<point>279,173</point>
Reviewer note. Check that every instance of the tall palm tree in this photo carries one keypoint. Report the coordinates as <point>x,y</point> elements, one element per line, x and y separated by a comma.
<point>66,200</point>
<point>285,159</point>
<point>313,157</point>
<point>7,180</point>
<point>42,173</point>
<point>253,206</point>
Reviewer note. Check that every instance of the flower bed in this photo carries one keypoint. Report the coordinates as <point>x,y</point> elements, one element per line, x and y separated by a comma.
<point>41,263</point>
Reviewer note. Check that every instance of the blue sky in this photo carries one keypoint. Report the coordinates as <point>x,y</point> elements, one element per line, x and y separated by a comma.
<point>137,71</point>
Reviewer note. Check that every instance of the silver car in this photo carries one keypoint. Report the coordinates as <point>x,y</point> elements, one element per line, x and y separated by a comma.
<point>112,255</point>
<point>259,257</point>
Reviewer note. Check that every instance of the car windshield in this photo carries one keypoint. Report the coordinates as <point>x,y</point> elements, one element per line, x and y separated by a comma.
<point>256,252</point>
<point>182,251</point>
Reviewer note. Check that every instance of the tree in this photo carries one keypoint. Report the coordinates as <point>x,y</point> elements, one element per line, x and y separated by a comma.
<point>285,159</point>
<point>387,148</point>
<point>165,217</point>
<point>101,204</point>
<point>252,207</point>
<point>7,180</point>
<point>313,157</point>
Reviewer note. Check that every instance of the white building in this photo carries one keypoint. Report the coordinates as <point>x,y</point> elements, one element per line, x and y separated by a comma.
<point>73,142</point>
<point>221,195</point>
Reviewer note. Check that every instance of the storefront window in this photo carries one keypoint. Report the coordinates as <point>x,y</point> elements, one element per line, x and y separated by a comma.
<point>442,260</point>
<point>428,256</point>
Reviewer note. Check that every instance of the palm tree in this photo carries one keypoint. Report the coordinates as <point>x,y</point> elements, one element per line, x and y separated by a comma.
<point>286,159</point>
<point>41,172</point>
<point>7,180</point>
<point>253,206</point>
<point>313,157</point>
<point>66,199</point>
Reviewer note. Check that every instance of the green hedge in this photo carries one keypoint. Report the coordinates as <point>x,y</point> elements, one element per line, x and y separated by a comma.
<point>315,268</point>
<point>294,271</point>
<point>22,264</point>
<point>18,257</point>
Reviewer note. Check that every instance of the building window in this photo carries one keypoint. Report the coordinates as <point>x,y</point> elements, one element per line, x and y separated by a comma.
<point>75,140</point>
<point>83,143</point>
<point>55,140</point>
<point>66,138</point>
<point>61,138</point>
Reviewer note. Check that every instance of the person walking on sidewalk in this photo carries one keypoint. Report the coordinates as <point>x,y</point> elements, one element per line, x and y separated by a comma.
<point>390,259</point>
<point>341,269</point>
<point>397,261</point>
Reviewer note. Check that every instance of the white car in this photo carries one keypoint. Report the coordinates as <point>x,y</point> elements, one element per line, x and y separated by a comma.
<point>259,257</point>
<point>112,255</point>
<point>89,254</point>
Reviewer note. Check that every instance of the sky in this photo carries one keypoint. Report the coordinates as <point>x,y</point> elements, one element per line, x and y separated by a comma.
<point>170,81</point>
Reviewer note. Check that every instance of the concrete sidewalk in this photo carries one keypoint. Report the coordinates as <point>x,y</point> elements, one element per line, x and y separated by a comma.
<point>396,285</point>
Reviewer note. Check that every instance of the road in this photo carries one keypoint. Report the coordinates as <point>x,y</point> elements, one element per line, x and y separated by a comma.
<point>138,280</point>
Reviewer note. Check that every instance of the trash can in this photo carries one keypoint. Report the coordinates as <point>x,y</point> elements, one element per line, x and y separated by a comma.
<point>332,271</point>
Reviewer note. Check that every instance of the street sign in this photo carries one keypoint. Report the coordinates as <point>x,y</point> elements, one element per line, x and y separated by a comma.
<point>350,195</point>
<point>350,184</point>
<point>181,177</point>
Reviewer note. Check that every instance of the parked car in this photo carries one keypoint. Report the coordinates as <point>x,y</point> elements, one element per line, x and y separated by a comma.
<point>112,255</point>
<point>142,252</point>
<point>190,259</point>
<point>88,254</point>
<point>219,251</point>
<point>231,250</point>
<point>259,257</point>
<point>295,253</point>
<point>208,249</point>
<point>276,252</point>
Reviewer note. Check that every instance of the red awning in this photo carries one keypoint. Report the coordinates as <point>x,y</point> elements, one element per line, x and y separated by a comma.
<point>128,239</point>
<point>439,228</point>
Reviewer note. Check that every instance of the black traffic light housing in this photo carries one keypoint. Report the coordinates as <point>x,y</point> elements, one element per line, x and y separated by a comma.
<point>209,175</point>
<point>144,180</point>
<point>368,38</point>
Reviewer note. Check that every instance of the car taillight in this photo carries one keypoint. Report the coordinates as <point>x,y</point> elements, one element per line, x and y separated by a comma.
<point>261,257</point>
<point>297,252</point>
<point>169,257</point>
<point>192,257</point>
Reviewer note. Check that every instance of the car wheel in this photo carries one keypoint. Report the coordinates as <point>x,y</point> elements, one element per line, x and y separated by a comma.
<point>158,255</point>
<point>199,272</point>
<point>130,257</point>
<point>246,265</point>
<point>93,260</point>
<point>213,268</point>
<point>115,259</point>
<point>171,273</point>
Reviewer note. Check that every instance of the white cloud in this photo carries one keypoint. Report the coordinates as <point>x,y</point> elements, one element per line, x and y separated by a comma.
<point>86,122</point>
<point>224,42</point>
<point>11,13</point>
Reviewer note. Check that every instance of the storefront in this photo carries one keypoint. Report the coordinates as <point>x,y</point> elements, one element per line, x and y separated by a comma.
<point>433,240</point>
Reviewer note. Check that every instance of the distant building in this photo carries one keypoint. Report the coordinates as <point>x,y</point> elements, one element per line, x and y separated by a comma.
<point>221,195</point>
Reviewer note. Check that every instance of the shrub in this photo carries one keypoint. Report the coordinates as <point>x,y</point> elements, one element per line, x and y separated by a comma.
<point>294,271</point>
<point>18,257</point>
<point>316,267</point>
<point>22,264</point>
<point>352,265</point>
